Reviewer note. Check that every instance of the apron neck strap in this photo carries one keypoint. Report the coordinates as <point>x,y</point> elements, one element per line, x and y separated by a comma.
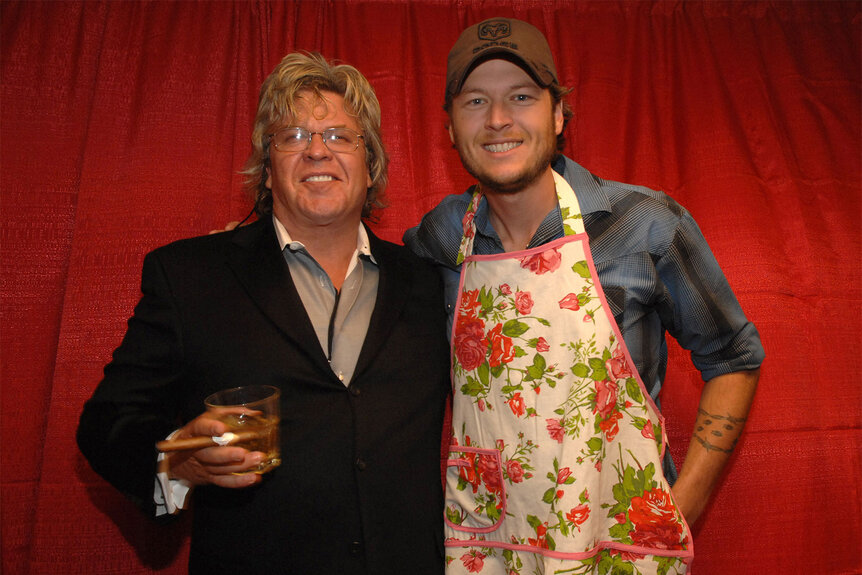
<point>570,209</point>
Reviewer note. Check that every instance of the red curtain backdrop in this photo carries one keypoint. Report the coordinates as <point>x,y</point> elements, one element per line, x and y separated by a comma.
<point>124,125</point>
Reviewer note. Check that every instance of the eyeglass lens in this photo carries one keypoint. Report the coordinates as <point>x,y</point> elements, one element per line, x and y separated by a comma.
<point>298,139</point>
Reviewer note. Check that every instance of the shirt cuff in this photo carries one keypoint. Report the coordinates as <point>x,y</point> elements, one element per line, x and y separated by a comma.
<point>170,495</point>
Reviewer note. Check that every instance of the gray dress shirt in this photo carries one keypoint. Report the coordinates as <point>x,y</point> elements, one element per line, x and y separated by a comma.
<point>340,319</point>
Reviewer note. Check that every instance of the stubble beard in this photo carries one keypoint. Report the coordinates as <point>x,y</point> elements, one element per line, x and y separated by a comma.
<point>516,182</point>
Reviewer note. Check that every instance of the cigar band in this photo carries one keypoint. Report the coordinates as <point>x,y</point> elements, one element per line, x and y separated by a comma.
<point>224,439</point>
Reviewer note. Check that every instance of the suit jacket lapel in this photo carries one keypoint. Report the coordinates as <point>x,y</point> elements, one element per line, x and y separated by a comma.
<point>392,292</point>
<point>259,265</point>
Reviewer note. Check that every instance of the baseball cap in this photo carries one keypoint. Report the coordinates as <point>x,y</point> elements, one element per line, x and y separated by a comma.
<point>504,36</point>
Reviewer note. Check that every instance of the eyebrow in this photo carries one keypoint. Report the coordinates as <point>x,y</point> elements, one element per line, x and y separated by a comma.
<point>531,85</point>
<point>512,88</point>
<point>342,125</point>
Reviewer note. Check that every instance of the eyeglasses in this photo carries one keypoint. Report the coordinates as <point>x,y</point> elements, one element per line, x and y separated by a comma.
<point>295,139</point>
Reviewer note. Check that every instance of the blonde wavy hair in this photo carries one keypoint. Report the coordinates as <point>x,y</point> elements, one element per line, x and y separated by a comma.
<point>300,71</point>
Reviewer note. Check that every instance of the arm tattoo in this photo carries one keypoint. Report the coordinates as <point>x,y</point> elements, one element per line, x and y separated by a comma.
<point>709,424</point>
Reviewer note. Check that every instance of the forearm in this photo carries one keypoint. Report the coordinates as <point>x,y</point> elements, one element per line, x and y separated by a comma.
<point>723,410</point>
<point>134,406</point>
<point>120,449</point>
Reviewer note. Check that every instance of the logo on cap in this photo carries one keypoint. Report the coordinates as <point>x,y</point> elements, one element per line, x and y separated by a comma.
<point>494,30</point>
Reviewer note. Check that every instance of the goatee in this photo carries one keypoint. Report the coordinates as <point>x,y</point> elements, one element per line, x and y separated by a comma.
<point>518,182</point>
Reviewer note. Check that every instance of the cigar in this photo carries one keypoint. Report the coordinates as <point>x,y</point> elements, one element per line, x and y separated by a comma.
<point>205,441</point>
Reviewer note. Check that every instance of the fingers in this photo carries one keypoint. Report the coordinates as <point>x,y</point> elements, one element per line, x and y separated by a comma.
<point>216,465</point>
<point>204,424</point>
<point>222,460</point>
<point>228,227</point>
<point>221,464</point>
<point>237,481</point>
<point>213,465</point>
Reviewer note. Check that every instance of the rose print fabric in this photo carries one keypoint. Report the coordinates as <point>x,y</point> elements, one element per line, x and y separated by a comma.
<point>555,459</point>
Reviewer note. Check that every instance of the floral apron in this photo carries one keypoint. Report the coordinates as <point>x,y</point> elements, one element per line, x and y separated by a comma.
<point>555,458</point>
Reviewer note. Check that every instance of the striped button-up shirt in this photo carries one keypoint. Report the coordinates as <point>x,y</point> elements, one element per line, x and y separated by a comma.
<point>654,266</point>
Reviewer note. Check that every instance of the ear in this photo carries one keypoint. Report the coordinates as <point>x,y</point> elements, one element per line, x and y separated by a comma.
<point>268,182</point>
<point>451,132</point>
<point>558,118</point>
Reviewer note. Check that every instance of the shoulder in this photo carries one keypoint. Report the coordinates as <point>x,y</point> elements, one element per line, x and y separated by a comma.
<point>438,236</point>
<point>244,235</point>
<point>597,194</point>
<point>623,196</point>
<point>626,217</point>
<point>649,214</point>
<point>395,256</point>
<point>453,206</point>
<point>206,250</point>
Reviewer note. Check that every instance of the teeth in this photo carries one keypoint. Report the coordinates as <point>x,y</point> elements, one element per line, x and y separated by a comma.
<point>502,147</point>
<point>319,179</point>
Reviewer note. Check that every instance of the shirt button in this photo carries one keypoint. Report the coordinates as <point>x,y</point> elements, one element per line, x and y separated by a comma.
<point>360,464</point>
<point>354,391</point>
<point>356,548</point>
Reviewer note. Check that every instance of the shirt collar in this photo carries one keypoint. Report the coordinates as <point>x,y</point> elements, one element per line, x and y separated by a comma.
<point>363,245</point>
<point>587,188</point>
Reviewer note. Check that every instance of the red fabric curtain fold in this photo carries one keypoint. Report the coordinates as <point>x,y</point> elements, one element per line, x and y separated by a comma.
<point>124,125</point>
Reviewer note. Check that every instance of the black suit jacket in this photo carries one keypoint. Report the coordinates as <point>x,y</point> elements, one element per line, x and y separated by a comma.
<point>359,488</point>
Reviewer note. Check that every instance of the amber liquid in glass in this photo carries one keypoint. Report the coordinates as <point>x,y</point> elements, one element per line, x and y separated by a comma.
<point>266,440</point>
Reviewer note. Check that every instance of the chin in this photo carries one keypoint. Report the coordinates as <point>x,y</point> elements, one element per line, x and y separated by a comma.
<point>508,184</point>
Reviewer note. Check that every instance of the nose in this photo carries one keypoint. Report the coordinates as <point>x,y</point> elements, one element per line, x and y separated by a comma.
<point>498,116</point>
<point>317,147</point>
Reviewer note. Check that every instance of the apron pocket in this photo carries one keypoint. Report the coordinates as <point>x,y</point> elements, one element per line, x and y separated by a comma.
<point>475,492</point>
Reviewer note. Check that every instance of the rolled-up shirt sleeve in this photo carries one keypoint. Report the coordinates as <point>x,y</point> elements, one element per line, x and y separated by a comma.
<point>704,315</point>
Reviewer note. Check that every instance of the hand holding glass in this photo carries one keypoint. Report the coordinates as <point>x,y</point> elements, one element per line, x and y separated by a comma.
<point>252,411</point>
<point>252,414</point>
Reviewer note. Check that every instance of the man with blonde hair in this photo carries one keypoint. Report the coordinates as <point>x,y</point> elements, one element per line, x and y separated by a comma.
<point>306,299</point>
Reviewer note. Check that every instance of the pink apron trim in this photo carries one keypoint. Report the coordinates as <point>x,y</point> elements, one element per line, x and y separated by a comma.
<point>495,455</point>
<point>468,543</point>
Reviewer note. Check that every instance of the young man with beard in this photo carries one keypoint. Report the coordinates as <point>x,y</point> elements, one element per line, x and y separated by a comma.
<point>560,288</point>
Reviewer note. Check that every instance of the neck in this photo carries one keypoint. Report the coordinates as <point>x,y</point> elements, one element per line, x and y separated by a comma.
<point>516,216</point>
<point>331,246</point>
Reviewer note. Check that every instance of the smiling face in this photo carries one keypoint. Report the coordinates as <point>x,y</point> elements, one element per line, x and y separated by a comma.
<point>504,126</point>
<point>318,187</point>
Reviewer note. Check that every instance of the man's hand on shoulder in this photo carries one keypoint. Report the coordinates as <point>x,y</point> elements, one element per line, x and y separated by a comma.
<point>228,227</point>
